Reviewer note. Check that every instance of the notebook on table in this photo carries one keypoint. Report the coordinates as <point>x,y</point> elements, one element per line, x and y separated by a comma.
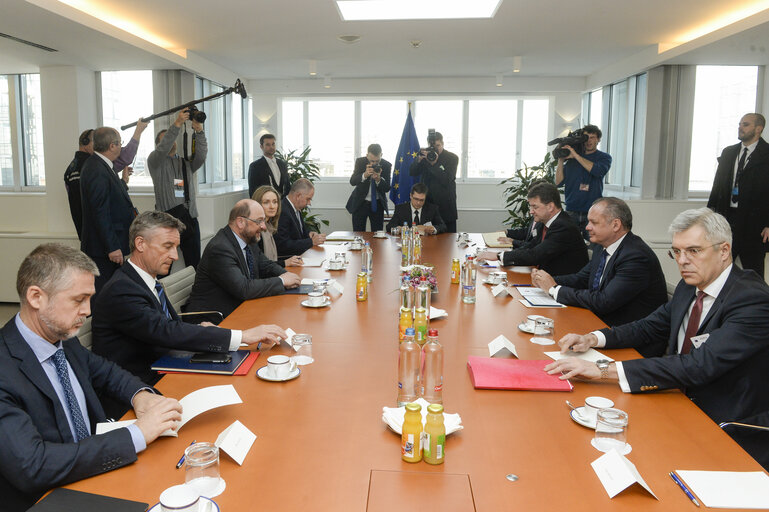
<point>514,374</point>
<point>67,500</point>
<point>183,364</point>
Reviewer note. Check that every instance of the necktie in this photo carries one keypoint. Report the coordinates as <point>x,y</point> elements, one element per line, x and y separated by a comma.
<point>416,218</point>
<point>60,362</point>
<point>373,196</point>
<point>694,323</point>
<point>599,270</point>
<point>250,262</point>
<point>544,231</point>
<point>299,220</point>
<point>740,167</point>
<point>162,298</point>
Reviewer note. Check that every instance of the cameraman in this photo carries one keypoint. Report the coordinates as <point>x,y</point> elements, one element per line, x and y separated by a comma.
<point>440,176</point>
<point>176,185</point>
<point>371,179</point>
<point>583,175</point>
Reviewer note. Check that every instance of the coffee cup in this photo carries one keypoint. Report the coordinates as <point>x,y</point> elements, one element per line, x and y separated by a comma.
<point>280,366</point>
<point>497,277</point>
<point>341,256</point>
<point>593,404</point>
<point>179,498</point>
<point>380,234</point>
<point>316,298</point>
<point>531,322</point>
<point>336,264</point>
<point>356,245</point>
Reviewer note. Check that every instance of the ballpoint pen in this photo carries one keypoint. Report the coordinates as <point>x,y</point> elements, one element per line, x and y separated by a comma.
<point>684,488</point>
<point>181,461</point>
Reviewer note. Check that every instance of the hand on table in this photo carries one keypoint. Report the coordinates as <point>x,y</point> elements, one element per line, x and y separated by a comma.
<point>290,280</point>
<point>294,261</point>
<point>269,335</point>
<point>317,238</point>
<point>577,342</point>
<point>542,279</point>
<point>573,367</point>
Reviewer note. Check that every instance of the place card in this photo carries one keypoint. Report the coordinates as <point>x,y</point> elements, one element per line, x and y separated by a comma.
<point>500,290</point>
<point>236,441</point>
<point>616,473</point>
<point>290,338</point>
<point>502,347</point>
<point>335,287</point>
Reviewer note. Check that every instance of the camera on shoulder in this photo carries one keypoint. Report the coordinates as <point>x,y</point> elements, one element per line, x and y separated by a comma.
<point>575,139</point>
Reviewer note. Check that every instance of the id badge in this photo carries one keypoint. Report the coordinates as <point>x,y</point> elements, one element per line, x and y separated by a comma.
<point>584,187</point>
<point>178,188</point>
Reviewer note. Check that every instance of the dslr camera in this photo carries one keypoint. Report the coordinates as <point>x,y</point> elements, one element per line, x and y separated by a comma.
<point>196,115</point>
<point>575,139</point>
<point>432,155</point>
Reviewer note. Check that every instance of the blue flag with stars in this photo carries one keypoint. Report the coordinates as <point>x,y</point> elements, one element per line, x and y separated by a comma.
<point>407,152</point>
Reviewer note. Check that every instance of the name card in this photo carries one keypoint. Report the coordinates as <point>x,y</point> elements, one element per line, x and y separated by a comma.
<point>500,290</point>
<point>335,287</point>
<point>236,441</point>
<point>616,473</point>
<point>502,347</point>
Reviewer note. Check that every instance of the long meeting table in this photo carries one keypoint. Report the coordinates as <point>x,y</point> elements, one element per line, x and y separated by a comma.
<point>322,444</point>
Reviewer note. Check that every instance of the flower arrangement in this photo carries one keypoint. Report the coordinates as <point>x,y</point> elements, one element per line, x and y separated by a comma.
<point>413,276</point>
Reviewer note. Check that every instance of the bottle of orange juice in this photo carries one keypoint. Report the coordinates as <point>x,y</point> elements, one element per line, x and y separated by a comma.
<point>411,433</point>
<point>420,325</point>
<point>435,435</point>
<point>406,320</point>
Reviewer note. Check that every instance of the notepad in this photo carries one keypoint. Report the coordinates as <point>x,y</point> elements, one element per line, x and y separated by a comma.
<point>492,240</point>
<point>513,374</point>
<point>729,489</point>
<point>183,364</point>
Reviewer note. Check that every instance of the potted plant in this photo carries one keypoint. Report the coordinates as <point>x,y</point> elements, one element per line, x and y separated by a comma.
<point>517,187</point>
<point>301,166</point>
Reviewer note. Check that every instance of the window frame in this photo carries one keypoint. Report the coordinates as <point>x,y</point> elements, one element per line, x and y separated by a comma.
<point>18,143</point>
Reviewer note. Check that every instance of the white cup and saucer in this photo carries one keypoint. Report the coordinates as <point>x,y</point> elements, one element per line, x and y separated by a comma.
<point>496,277</point>
<point>279,368</point>
<point>316,300</point>
<point>530,324</point>
<point>336,264</point>
<point>587,414</point>
<point>380,234</point>
<point>183,498</point>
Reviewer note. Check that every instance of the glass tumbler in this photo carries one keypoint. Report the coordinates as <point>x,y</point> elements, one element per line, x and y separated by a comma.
<point>303,346</point>
<point>202,468</point>
<point>611,430</point>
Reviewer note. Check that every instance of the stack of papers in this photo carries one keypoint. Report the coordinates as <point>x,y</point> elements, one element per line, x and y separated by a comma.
<point>393,417</point>
<point>729,489</point>
<point>537,297</point>
<point>492,240</point>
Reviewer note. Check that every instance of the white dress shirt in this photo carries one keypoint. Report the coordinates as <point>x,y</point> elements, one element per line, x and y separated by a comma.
<point>553,291</point>
<point>273,167</point>
<point>750,148</point>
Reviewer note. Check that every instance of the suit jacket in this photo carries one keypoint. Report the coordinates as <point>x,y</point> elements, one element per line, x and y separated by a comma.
<point>522,236</point>
<point>441,181</point>
<point>222,281</point>
<point>107,209</point>
<point>633,284</point>
<point>562,251</point>
<point>726,375</point>
<point>130,328</point>
<point>428,213</point>
<point>259,173</point>
<point>753,206</point>
<point>39,450</point>
<point>292,236</point>
<point>362,186</point>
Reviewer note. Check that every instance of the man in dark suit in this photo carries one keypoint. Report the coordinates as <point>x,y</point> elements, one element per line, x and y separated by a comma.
<point>293,237</point>
<point>418,213</point>
<point>371,179</point>
<point>440,176</point>
<point>268,170</point>
<point>558,248</point>
<point>624,280</point>
<point>49,384</point>
<point>740,191</point>
<point>233,269</point>
<point>107,208</point>
<point>134,324</point>
<point>714,330</point>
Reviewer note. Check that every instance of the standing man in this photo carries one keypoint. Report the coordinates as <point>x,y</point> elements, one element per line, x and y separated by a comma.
<point>438,169</point>
<point>268,170</point>
<point>107,208</point>
<point>417,212</point>
<point>176,184</point>
<point>741,192</point>
<point>371,179</point>
<point>293,237</point>
<point>582,176</point>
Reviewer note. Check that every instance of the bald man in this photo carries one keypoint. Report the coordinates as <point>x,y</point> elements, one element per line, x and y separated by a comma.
<point>233,269</point>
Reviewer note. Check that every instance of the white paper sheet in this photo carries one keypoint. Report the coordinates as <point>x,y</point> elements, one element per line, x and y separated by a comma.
<point>728,489</point>
<point>529,305</point>
<point>236,441</point>
<point>500,290</point>
<point>312,261</point>
<point>616,473</point>
<point>591,355</point>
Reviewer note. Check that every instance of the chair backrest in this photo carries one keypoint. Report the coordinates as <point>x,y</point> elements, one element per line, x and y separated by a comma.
<point>179,286</point>
<point>84,334</point>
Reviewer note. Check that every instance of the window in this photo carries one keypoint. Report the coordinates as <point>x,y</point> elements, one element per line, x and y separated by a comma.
<point>722,95</point>
<point>6,146</point>
<point>292,122</point>
<point>381,122</point>
<point>32,131</point>
<point>534,134</point>
<point>443,115</point>
<point>22,163</point>
<point>595,111</point>
<point>491,145</point>
<point>331,132</point>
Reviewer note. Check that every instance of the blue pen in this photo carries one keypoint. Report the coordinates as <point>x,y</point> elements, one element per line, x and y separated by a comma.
<point>522,285</point>
<point>684,488</point>
<point>181,461</point>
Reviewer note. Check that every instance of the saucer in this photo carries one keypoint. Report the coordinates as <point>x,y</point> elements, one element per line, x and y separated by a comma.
<point>306,303</point>
<point>264,374</point>
<point>204,505</point>
<point>542,341</point>
<point>576,415</point>
<point>526,328</point>
<point>486,281</point>
<point>380,236</point>
<point>627,449</point>
<point>343,267</point>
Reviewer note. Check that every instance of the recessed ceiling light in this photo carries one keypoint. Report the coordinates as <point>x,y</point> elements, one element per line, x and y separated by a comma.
<point>517,64</point>
<point>499,80</point>
<point>313,67</point>
<point>351,38</point>
<point>357,10</point>
<point>327,82</point>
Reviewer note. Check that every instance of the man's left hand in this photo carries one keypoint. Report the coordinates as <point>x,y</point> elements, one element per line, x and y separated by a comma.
<point>573,367</point>
<point>144,400</point>
<point>542,279</point>
<point>765,235</point>
<point>198,127</point>
<point>487,256</point>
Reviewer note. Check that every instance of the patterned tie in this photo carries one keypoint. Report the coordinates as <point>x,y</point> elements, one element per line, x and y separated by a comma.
<point>544,232</point>
<point>416,218</point>
<point>740,167</point>
<point>60,362</point>
<point>250,262</point>
<point>694,323</point>
<point>599,270</point>
<point>373,196</point>
<point>162,298</point>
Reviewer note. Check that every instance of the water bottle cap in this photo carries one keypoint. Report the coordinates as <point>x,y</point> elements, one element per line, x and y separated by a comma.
<point>409,331</point>
<point>432,332</point>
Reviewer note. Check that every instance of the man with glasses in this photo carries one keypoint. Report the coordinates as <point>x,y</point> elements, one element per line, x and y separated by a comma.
<point>233,269</point>
<point>714,330</point>
<point>425,216</point>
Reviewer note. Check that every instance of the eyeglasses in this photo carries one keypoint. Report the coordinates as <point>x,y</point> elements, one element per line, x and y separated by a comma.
<point>255,221</point>
<point>690,252</point>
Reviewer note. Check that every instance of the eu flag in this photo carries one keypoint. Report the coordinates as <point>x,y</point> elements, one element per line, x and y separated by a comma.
<point>407,152</point>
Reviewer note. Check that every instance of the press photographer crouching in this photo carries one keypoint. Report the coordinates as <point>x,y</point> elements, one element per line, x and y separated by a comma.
<point>173,176</point>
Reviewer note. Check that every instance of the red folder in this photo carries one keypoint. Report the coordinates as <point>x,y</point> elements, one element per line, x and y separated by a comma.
<point>520,374</point>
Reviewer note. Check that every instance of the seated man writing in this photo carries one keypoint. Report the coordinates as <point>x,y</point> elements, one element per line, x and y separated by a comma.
<point>293,236</point>
<point>417,212</point>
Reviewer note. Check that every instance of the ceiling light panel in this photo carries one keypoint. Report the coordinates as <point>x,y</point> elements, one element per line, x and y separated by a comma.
<point>361,10</point>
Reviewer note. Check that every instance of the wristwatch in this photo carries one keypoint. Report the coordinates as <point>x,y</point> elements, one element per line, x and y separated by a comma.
<point>603,365</point>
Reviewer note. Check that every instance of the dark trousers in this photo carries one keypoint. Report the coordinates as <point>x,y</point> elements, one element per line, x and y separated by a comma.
<point>580,219</point>
<point>746,244</point>
<point>364,212</point>
<point>451,226</point>
<point>106,269</point>
<point>190,243</point>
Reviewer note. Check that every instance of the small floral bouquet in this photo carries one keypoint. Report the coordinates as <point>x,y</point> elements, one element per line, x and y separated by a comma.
<point>413,276</point>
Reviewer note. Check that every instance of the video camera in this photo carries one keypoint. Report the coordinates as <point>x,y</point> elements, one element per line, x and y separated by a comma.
<point>432,155</point>
<point>575,139</point>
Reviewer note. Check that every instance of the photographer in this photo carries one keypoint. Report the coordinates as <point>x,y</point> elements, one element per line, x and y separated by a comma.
<point>582,172</point>
<point>438,169</point>
<point>176,185</point>
<point>371,179</point>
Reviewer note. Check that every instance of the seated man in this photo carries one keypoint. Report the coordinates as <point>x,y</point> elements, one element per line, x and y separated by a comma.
<point>425,216</point>
<point>134,324</point>
<point>293,237</point>
<point>49,382</point>
<point>233,269</point>
<point>558,248</point>
<point>623,282</point>
<point>714,330</point>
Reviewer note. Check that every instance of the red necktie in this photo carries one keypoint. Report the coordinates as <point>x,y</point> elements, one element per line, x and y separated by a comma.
<point>694,323</point>
<point>544,232</point>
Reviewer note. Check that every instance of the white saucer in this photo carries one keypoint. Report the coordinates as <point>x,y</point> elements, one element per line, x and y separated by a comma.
<point>306,303</point>
<point>542,341</point>
<point>578,417</point>
<point>525,328</point>
<point>380,236</point>
<point>344,267</point>
<point>486,281</point>
<point>204,505</point>
<point>627,449</point>
<point>264,374</point>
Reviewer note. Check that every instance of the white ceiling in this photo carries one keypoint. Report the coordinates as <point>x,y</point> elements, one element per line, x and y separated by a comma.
<point>275,40</point>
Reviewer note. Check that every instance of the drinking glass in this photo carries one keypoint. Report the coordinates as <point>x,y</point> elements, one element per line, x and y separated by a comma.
<point>202,468</point>
<point>303,345</point>
<point>611,430</point>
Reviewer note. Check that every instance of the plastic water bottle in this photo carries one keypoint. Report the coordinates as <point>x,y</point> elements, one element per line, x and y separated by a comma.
<point>432,369</point>
<point>368,256</point>
<point>409,354</point>
<point>468,280</point>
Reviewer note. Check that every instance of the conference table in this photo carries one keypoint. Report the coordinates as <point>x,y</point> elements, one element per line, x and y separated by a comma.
<point>322,445</point>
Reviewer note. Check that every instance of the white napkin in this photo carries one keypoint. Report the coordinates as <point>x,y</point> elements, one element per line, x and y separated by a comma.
<point>393,417</point>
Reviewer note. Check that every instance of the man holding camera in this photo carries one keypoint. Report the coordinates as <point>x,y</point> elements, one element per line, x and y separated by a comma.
<point>582,174</point>
<point>438,169</point>
<point>175,182</point>
<point>371,179</point>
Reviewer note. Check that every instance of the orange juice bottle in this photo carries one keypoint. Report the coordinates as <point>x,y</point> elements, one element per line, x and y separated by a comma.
<point>404,323</point>
<point>435,435</point>
<point>411,436</point>
<point>420,325</point>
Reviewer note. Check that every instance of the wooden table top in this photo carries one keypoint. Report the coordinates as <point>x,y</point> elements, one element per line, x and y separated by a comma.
<point>321,436</point>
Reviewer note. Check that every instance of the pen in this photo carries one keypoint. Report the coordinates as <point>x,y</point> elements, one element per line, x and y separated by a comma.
<point>684,488</point>
<point>181,461</point>
<point>522,285</point>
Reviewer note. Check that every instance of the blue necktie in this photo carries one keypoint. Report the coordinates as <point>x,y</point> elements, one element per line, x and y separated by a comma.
<point>162,298</point>
<point>250,262</point>
<point>599,270</point>
<point>60,362</point>
<point>373,196</point>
